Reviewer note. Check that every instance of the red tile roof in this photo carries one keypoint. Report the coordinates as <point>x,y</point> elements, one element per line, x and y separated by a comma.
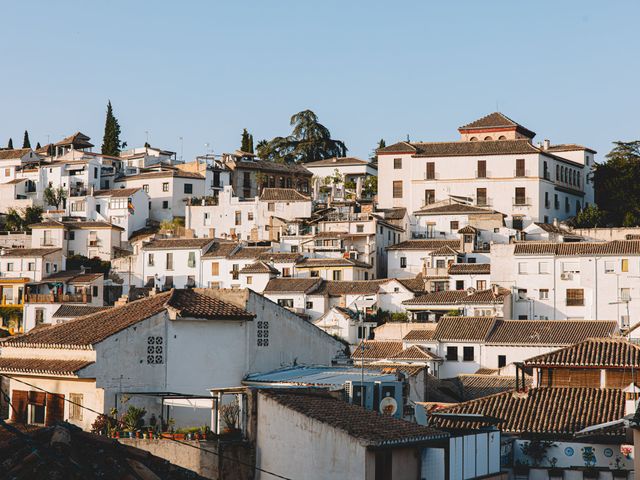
<point>196,303</point>
<point>593,352</point>
<point>42,366</point>
<point>259,267</point>
<point>420,334</point>
<point>549,332</point>
<point>116,192</point>
<point>415,352</point>
<point>337,161</point>
<point>424,244</point>
<point>249,252</point>
<point>177,243</point>
<point>477,385</point>
<point>464,329</point>
<point>292,285</point>
<point>370,428</point>
<point>331,262</point>
<point>377,349</point>
<point>615,247</point>
<point>558,411</point>
<point>470,269</point>
<point>30,252</point>
<point>283,195</point>
<point>460,297</point>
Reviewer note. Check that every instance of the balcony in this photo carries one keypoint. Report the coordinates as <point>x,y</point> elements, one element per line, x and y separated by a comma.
<point>47,242</point>
<point>437,272</point>
<point>54,298</point>
<point>93,243</point>
<point>521,201</point>
<point>482,174</point>
<point>484,202</point>
<point>78,192</point>
<point>435,176</point>
<point>518,172</point>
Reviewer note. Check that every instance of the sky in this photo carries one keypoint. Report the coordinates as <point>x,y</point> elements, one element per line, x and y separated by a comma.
<point>204,70</point>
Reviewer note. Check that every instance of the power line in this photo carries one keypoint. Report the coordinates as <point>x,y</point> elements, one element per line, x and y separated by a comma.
<point>172,439</point>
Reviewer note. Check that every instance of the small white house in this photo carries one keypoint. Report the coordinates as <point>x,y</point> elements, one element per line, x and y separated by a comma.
<point>174,262</point>
<point>127,208</point>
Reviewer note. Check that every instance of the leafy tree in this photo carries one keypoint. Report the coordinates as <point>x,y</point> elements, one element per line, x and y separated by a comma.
<point>10,144</point>
<point>31,215</point>
<point>25,142</point>
<point>55,196</point>
<point>111,144</point>
<point>13,221</point>
<point>374,154</point>
<point>589,217</point>
<point>247,142</point>
<point>370,186</point>
<point>19,221</point>
<point>309,141</point>
<point>95,264</point>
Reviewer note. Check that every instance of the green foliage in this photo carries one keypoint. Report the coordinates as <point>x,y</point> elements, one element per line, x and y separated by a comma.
<point>133,419</point>
<point>10,144</point>
<point>95,264</point>
<point>453,313</point>
<point>536,450</point>
<point>309,141</point>
<point>111,144</point>
<point>16,221</point>
<point>246,144</point>
<point>399,317</point>
<point>55,196</point>
<point>370,186</point>
<point>25,142</point>
<point>589,217</point>
<point>617,184</point>
<point>172,225</point>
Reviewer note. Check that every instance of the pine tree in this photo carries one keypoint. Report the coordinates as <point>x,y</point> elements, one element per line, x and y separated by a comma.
<point>26,143</point>
<point>10,144</point>
<point>246,144</point>
<point>111,141</point>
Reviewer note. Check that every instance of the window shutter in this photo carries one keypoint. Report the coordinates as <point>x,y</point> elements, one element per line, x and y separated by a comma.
<point>54,409</point>
<point>19,398</point>
<point>215,268</point>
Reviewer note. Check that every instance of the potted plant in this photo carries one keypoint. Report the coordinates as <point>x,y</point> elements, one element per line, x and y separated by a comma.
<point>589,458</point>
<point>133,420</point>
<point>229,414</point>
<point>554,471</point>
<point>536,450</point>
<point>521,469</point>
<point>617,469</point>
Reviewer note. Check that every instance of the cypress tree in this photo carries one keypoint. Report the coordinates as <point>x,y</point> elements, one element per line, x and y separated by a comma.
<point>250,144</point>
<point>246,145</point>
<point>10,144</point>
<point>26,143</point>
<point>382,143</point>
<point>38,147</point>
<point>111,141</point>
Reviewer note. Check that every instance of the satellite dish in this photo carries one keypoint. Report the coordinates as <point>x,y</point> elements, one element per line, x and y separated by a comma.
<point>388,406</point>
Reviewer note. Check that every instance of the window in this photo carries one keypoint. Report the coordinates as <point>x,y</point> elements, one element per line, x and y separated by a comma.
<point>165,204</point>
<point>191,262</point>
<point>454,225</point>
<point>575,297</point>
<point>188,188</point>
<point>165,187</point>
<point>263,334</point>
<point>168,281</point>
<point>517,223</point>
<point>522,268</point>
<point>625,294</point>
<point>452,354</point>
<point>250,216</point>
<point>359,228</point>
<point>337,275</point>
<point>570,267</point>
<point>145,188</point>
<point>522,294</point>
<point>543,268</point>
<point>544,294</point>
<point>547,204</point>
<point>431,171</point>
<point>397,163</point>
<point>308,305</point>
<point>556,201</point>
<point>155,351</point>
<point>31,266</point>
<point>39,316</point>
<point>75,406</point>
<point>98,208</point>
<point>169,261</point>
<point>609,267</point>
<point>397,189</point>
<point>502,361</point>
<point>545,170</point>
<point>403,262</point>
<point>285,302</point>
<point>468,354</point>
<point>481,284</point>
<point>521,196</point>
<point>567,205</point>
<point>520,167</point>
<point>235,271</point>
<point>294,248</point>
<point>362,332</point>
<point>286,272</point>
<point>459,284</point>
<point>440,263</point>
<point>429,197</point>
<point>271,207</point>
<point>215,269</point>
<point>77,206</point>
<point>482,169</point>
<point>481,196</point>
<point>624,265</point>
<point>314,273</point>
<point>249,280</point>
<point>9,267</point>
<point>238,219</point>
<point>94,290</point>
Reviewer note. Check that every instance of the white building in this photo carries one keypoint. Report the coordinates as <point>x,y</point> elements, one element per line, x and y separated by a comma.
<point>351,170</point>
<point>168,188</point>
<point>33,264</point>
<point>169,342</point>
<point>494,164</point>
<point>412,257</point>
<point>127,208</point>
<point>20,183</point>
<point>576,280</point>
<point>262,218</point>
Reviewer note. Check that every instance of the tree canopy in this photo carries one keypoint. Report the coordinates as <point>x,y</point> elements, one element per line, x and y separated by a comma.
<point>309,141</point>
<point>617,185</point>
<point>19,221</point>
<point>111,144</point>
<point>55,196</point>
<point>26,143</point>
<point>246,144</point>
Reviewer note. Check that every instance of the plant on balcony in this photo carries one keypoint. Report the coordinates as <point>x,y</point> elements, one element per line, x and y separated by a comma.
<point>589,458</point>
<point>133,418</point>
<point>229,414</point>
<point>536,450</point>
<point>617,469</point>
<point>554,471</point>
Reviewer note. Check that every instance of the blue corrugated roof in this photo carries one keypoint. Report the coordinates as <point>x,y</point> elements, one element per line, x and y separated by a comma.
<point>316,375</point>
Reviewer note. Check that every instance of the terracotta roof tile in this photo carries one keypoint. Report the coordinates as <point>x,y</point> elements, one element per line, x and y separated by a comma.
<point>555,410</point>
<point>259,267</point>
<point>494,119</point>
<point>464,329</point>
<point>420,334</point>
<point>370,428</point>
<point>568,147</point>
<point>30,252</point>
<point>196,303</point>
<point>377,349</point>
<point>331,262</point>
<point>615,247</point>
<point>43,366</point>
<point>283,195</point>
<point>13,154</point>
<point>452,209</point>
<point>477,385</point>
<point>162,174</point>
<point>220,249</point>
<point>459,297</point>
<point>249,252</point>
<point>415,352</point>
<point>279,257</point>
<point>593,352</point>
<point>463,149</point>
<point>116,192</point>
<point>470,269</point>
<point>416,284</point>
<point>395,213</point>
<point>363,287</point>
<point>549,332</point>
<point>444,250</point>
<point>266,166</point>
<point>424,244</point>
<point>70,311</point>
<point>337,161</point>
<point>177,243</point>
<point>292,285</point>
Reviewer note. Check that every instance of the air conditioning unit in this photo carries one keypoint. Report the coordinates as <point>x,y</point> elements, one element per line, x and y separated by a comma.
<point>566,276</point>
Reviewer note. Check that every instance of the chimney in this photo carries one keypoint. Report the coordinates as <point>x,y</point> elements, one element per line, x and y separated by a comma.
<point>495,288</point>
<point>555,222</point>
<point>123,300</point>
<point>546,144</point>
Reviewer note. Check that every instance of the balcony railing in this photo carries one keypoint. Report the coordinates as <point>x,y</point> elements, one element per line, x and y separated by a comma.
<point>47,242</point>
<point>521,201</point>
<point>435,176</point>
<point>484,202</point>
<point>78,192</point>
<point>518,172</point>
<point>482,174</point>
<point>437,271</point>
<point>93,243</point>
<point>55,298</point>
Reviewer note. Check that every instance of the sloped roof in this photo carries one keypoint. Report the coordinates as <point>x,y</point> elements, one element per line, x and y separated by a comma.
<point>467,329</point>
<point>424,244</point>
<point>292,285</point>
<point>331,262</point>
<point>593,352</point>
<point>279,257</point>
<point>177,243</point>
<point>267,166</point>
<point>470,269</point>
<point>453,208</point>
<point>337,161</point>
<point>116,192</point>
<point>416,285</point>
<point>220,249</point>
<point>478,385</point>
<point>30,252</point>
<point>495,120</point>
<point>615,247</point>
<point>78,139</point>
<point>364,287</point>
<point>549,332</point>
<point>168,173</point>
<point>464,149</point>
<point>249,252</point>
<point>367,426</point>
<point>42,366</point>
<point>377,349</point>
<point>445,250</point>
<point>283,195</point>
<point>415,352</point>
<point>568,147</point>
<point>397,213</point>
<point>557,411</point>
<point>13,154</point>
<point>68,310</point>
<point>259,267</point>
<point>195,303</point>
<point>420,334</point>
<point>458,297</point>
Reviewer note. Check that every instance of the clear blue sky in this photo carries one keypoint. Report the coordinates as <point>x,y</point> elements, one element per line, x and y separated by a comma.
<point>204,70</point>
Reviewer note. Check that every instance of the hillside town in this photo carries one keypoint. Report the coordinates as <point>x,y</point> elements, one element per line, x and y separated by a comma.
<point>436,311</point>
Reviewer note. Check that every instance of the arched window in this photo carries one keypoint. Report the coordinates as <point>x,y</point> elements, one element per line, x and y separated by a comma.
<point>474,139</point>
<point>502,137</point>
<point>488,138</point>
